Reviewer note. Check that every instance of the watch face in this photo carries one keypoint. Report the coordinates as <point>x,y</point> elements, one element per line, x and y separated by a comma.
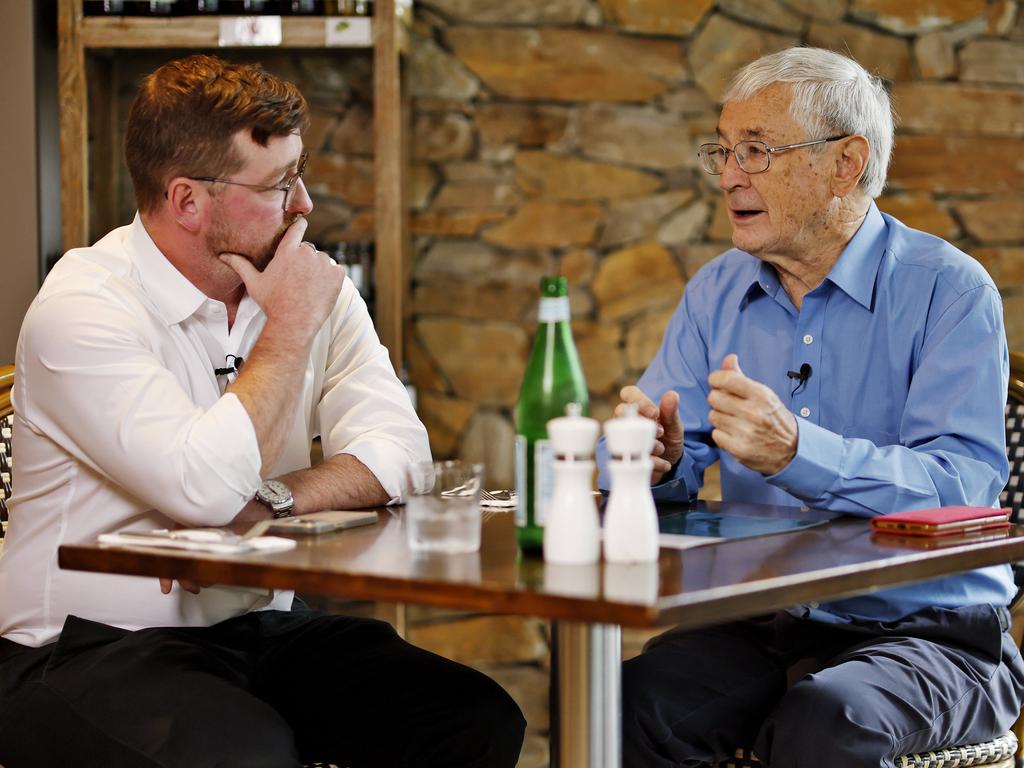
<point>274,492</point>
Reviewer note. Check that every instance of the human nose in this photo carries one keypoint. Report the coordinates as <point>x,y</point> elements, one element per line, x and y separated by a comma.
<point>732,175</point>
<point>300,202</point>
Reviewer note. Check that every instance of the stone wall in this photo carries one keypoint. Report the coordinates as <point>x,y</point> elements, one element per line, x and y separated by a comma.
<point>560,136</point>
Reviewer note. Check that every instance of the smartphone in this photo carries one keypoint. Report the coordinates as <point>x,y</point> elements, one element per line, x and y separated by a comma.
<point>324,522</point>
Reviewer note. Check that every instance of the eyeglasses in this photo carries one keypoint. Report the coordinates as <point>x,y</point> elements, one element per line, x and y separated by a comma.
<point>751,156</point>
<point>286,185</point>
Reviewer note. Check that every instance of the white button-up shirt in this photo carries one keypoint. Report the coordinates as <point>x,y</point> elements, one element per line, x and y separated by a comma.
<point>121,424</point>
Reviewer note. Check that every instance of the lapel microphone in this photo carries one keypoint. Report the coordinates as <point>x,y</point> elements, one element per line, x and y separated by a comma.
<point>234,366</point>
<point>800,377</point>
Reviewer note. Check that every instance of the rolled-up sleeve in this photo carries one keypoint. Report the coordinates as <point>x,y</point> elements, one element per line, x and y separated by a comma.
<point>102,392</point>
<point>364,409</point>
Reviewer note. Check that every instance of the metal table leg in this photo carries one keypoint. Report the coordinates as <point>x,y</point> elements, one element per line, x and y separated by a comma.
<point>587,728</point>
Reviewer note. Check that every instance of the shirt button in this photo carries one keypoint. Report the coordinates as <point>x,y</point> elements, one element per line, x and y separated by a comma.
<point>805,411</point>
<point>808,339</point>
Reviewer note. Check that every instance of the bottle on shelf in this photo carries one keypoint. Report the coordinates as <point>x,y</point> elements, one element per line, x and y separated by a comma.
<point>200,7</point>
<point>103,8</point>
<point>348,7</point>
<point>553,379</point>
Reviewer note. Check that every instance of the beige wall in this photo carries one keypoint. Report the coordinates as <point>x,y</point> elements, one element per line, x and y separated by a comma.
<point>18,220</point>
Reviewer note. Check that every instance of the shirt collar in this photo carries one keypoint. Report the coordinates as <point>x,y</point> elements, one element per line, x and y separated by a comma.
<point>174,296</point>
<point>854,272</point>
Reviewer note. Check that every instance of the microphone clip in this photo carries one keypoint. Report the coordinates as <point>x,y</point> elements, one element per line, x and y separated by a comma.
<point>234,366</point>
<point>800,377</point>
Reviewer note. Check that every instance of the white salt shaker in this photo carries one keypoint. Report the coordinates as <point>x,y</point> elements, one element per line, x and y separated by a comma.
<point>572,533</point>
<point>630,518</point>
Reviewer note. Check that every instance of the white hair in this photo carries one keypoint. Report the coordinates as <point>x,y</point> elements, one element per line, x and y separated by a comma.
<point>832,95</point>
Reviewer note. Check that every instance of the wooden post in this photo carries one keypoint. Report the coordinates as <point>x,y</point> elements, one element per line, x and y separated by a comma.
<point>390,220</point>
<point>74,173</point>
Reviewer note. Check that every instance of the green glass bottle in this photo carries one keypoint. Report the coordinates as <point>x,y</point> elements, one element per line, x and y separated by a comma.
<point>553,379</point>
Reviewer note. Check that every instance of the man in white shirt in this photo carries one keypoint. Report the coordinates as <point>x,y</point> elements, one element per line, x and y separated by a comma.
<point>133,411</point>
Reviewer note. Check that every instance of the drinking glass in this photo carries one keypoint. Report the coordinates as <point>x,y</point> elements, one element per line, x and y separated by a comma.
<point>442,506</point>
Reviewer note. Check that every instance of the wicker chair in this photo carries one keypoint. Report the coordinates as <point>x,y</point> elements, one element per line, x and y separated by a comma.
<point>1000,752</point>
<point>6,426</point>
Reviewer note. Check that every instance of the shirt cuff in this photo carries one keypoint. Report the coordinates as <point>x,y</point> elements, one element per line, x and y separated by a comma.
<point>676,485</point>
<point>815,467</point>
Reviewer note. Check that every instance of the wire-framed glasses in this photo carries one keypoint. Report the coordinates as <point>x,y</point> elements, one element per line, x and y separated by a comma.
<point>286,185</point>
<point>751,156</point>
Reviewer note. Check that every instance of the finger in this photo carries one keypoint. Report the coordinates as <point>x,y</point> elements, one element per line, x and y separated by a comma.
<point>734,382</point>
<point>293,235</point>
<point>189,586</point>
<point>659,466</point>
<point>165,585</point>
<point>668,412</point>
<point>726,402</point>
<point>633,394</point>
<point>731,363</point>
<point>242,266</point>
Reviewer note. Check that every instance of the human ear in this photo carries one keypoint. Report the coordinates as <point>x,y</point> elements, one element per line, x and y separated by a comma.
<point>851,162</point>
<point>185,201</point>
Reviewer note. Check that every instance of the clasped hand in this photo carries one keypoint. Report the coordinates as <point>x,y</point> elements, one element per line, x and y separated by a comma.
<point>749,422</point>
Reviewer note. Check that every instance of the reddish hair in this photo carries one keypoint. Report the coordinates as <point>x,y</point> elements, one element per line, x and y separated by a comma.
<point>186,114</point>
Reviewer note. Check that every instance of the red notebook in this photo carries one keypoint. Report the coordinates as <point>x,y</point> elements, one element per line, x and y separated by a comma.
<point>942,521</point>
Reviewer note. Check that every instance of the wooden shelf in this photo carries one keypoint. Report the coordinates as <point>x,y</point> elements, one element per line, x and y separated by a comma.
<point>80,34</point>
<point>189,32</point>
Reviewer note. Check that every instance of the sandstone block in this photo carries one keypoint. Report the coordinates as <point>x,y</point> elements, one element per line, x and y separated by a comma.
<point>547,224</point>
<point>350,178</point>
<point>636,279</point>
<point>442,137</point>
<point>645,335</point>
<point>491,300</point>
<point>882,54</point>
<point>639,136</point>
<point>640,218</point>
<point>562,177</point>
<point>770,13</point>
<point>951,164</point>
<point>445,418</point>
<point>960,109</point>
<point>422,180</point>
<point>599,346</point>
<point>936,58</point>
<point>454,259</point>
<point>909,18</point>
<point>684,226</point>
<point>565,64</point>
<point>513,11</point>
<point>491,438</point>
<point>920,211</point>
<point>435,73</point>
<point>525,125</point>
<point>994,220</point>
<point>723,46</point>
<point>578,266</point>
<point>483,361</point>
<point>354,134</point>
<point>477,194</point>
<point>657,17</point>
<point>992,61</point>
<point>453,223</point>
<point>826,10</point>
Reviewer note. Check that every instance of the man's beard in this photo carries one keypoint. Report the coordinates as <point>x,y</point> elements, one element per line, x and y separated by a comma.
<point>223,239</point>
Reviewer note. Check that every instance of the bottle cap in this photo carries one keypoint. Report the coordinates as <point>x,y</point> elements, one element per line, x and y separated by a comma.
<point>573,435</point>
<point>630,435</point>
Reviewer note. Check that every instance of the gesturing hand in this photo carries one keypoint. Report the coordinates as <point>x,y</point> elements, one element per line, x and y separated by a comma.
<point>668,445</point>
<point>749,420</point>
<point>298,287</point>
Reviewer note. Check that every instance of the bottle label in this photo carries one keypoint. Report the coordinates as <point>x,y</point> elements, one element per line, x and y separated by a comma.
<point>521,481</point>
<point>553,310</point>
<point>543,479</point>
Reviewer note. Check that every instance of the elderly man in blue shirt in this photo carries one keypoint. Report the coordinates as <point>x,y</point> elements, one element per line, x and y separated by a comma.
<point>838,359</point>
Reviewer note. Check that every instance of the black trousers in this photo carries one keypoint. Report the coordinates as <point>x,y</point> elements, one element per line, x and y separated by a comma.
<point>878,690</point>
<point>269,689</point>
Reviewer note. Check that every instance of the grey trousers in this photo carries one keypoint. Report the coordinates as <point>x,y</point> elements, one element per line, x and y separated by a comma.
<point>806,693</point>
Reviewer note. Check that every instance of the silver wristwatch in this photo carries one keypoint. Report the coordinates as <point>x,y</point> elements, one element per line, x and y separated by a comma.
<point>278,496</point>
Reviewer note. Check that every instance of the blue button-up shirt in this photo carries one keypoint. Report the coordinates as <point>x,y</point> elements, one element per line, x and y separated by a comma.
<point>904,405</point>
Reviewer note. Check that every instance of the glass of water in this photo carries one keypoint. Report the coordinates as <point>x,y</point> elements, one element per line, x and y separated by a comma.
<point>442,506</point>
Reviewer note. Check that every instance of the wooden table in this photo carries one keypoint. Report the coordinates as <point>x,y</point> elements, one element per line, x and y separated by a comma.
<point>589,604</point>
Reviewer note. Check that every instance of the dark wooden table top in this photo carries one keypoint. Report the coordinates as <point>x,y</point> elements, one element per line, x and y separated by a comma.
<point>710,583</point>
